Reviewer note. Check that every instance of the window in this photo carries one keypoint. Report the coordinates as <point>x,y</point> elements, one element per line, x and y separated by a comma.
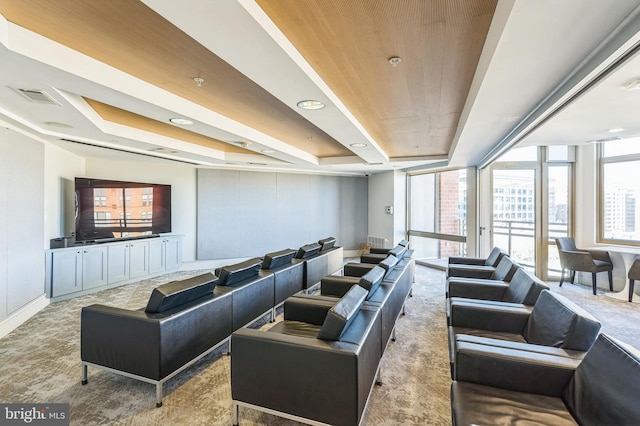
<point>619,194</point>
<point>437,214</point>
<point>99,197</point>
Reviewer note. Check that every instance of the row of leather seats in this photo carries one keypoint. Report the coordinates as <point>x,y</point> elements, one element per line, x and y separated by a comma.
<point>520,353</point>
<point>321,362</point>
<point>186,319</point>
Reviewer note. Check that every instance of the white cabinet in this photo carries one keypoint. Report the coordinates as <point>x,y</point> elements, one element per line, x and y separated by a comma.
<point>128,260</point>
<point>79,270</point>
<point>164,254</point>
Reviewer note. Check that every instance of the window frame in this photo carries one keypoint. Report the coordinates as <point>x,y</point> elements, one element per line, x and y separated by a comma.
<point>601,162</point>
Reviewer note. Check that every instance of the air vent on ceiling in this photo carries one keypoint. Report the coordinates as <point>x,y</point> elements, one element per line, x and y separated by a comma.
<point>37,96</point>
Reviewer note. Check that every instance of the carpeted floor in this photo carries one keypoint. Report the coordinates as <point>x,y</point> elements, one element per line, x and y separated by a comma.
<point>41,363</point>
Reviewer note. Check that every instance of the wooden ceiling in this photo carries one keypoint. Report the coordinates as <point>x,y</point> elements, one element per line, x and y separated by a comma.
<point>410,110</point>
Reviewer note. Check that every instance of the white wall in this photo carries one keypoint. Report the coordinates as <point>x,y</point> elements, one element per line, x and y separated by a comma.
<point>387,189</point>
<point>181,177</point>
<point>586,226</point>
<point>60,167</point>
<point>247,213</point>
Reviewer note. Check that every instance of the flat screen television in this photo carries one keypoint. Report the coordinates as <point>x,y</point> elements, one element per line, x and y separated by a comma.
<point>109,209</point>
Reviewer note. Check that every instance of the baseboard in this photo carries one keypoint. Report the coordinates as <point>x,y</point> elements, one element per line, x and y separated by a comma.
<point>14,320</point>
<point>351,253</point>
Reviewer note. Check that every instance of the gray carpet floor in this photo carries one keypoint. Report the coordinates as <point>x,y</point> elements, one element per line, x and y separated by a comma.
<point>41,363</point>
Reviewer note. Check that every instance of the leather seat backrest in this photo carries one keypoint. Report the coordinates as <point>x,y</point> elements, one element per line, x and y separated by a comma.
<point>342,314</point>
<point>524,288</point>
<point>605,387</point>
<point>495,257</point>
<point>397,251</point>
<point>278,258</point>
<point>388,263</point>
<point>233,274</point>
<point>558,322</point>
<point>506,269</point>
<point>176,293</point>
<point>308,250</point>
<point>327,243</point>
<point>371,280</point>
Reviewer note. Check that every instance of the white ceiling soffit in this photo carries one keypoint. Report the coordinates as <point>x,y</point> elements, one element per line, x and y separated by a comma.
<point>248,40</point>
<point>58,69</point>
<point>537,55</point>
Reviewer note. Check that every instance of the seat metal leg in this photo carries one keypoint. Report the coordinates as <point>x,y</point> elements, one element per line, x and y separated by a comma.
<point>158,395</point>
<point>235,411</point>
<point>573,276</point>
<point>379,377</point>
<point>393,334</point>
<point>631,285</point>
<point>561,278</point>
<point>84,373</point>
<point>593,283</point>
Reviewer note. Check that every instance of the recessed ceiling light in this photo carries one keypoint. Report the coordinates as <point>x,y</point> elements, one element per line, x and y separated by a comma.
<point>182,121</point>
<point>394,61</point>
<point>310,104</point>
<point>358,145</point>
<point>268,151</point>
<point>616,130</point>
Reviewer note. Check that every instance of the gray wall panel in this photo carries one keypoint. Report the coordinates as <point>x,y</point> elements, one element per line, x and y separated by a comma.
<point>24,224</point>
<point>354,205</point>
<point>4,175</point>
<point>244,214</point>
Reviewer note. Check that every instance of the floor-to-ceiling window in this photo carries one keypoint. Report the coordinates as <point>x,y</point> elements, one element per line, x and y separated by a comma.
<point>437,219</point>
<point>532,192</point>
<point>619,193</point>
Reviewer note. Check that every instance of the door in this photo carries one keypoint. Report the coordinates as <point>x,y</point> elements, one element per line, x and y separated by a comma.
<point>514,213</point>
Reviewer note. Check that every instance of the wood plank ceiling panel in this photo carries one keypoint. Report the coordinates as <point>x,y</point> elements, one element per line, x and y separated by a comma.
<point>411,109</point>
<point>126,118</point>
<point>133,38</point>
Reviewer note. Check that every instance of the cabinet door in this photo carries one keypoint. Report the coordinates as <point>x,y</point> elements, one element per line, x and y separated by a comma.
<point>156,255</point>
<point>118,269</point>
<point>94,267</point>
<point>66,272</point>
<point>172,253</point>
<point>138,259</point>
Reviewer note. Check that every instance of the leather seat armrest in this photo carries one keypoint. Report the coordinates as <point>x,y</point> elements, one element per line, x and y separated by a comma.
<point>471,271</point>
<point>122,339</point>
<point>307,309</point>
<point>513,369</point>
<point>354,269</point>
<point>466,260</point>
<point>510,319</point>
<point>473,290</point>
